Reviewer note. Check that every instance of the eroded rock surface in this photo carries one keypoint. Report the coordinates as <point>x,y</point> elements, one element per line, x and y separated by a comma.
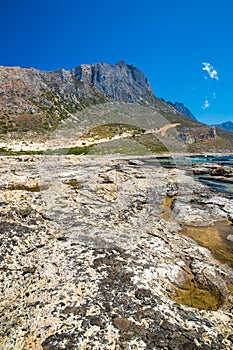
<point>87,262</point>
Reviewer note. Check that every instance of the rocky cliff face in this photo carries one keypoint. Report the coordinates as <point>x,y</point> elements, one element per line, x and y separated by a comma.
<point>198,134</point>
<point>27,90</point>
<point>119,82</point>
<point>39,100</point>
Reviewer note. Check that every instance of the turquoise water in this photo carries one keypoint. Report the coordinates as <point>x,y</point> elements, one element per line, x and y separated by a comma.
<point>214,182</point>
<point>221,160</point>
<point>217,185</point>
<point>186,162</point>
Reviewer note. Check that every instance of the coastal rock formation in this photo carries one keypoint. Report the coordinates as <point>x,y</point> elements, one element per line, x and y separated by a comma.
<point>91,259</point>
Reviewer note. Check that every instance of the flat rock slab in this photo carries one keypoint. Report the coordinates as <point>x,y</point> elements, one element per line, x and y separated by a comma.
<point>86,262</point>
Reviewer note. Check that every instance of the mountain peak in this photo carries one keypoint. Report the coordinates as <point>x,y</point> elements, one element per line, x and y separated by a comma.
<point>119,82</point>
<point>225,126</point>
<point>121,63</point>
<point>180,107</point>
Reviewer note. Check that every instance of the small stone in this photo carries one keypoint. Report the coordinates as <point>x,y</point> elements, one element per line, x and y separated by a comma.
<point>153,336</point>
<point>70,310</point>
<point>230,337</point>
<point>142,293</point>
<point>189,346</point>
<point>159,338</point>
<point>121,323</point>
<point>204,347</point>
<point>128,335</point>
<point>221,171</point>
<point>135,162</point>
<point>230,238</point>
<point>49,347</point>
<point>96,321</point>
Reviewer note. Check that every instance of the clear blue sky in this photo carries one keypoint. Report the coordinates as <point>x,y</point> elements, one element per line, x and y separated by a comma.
<point>168,40</point>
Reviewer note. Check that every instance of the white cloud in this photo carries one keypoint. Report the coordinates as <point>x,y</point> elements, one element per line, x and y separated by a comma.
<point>210,69</point>
<point>206,104</point>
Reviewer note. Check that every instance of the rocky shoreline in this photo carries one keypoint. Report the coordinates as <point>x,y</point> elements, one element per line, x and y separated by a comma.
<point>87,260</point>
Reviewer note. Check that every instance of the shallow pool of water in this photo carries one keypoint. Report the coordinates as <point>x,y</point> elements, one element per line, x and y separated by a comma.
<point>195,295</point>
<point>213,237</point>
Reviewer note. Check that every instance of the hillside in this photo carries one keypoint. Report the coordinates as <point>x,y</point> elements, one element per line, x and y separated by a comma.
<point>37,106</point>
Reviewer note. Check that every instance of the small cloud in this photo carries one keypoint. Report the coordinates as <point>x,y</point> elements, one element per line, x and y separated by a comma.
<point>210,69</point>
<point>206,104</point>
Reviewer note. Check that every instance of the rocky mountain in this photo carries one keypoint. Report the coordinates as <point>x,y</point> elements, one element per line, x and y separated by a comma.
<point>32,91</point>
<point>119,82</point>
<point>35,103</point>
<point>225,126</point>
<point>182,109</point>
<point>37,100</point>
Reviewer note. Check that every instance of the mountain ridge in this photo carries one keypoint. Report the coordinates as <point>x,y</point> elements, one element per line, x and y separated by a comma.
<point>35,102</point>
<point>182,109</point>
<point>55,95</point>
<point>228,126</point>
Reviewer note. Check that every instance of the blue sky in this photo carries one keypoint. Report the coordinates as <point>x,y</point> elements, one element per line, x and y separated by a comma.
<point>168,40</point>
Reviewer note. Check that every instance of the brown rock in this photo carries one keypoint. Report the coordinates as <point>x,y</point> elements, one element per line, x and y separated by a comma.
<point>221,171</point>
<point>121,323</point>
<point>71,310</point>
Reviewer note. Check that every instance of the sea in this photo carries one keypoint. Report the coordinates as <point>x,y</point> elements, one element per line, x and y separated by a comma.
<point>220,184</point>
